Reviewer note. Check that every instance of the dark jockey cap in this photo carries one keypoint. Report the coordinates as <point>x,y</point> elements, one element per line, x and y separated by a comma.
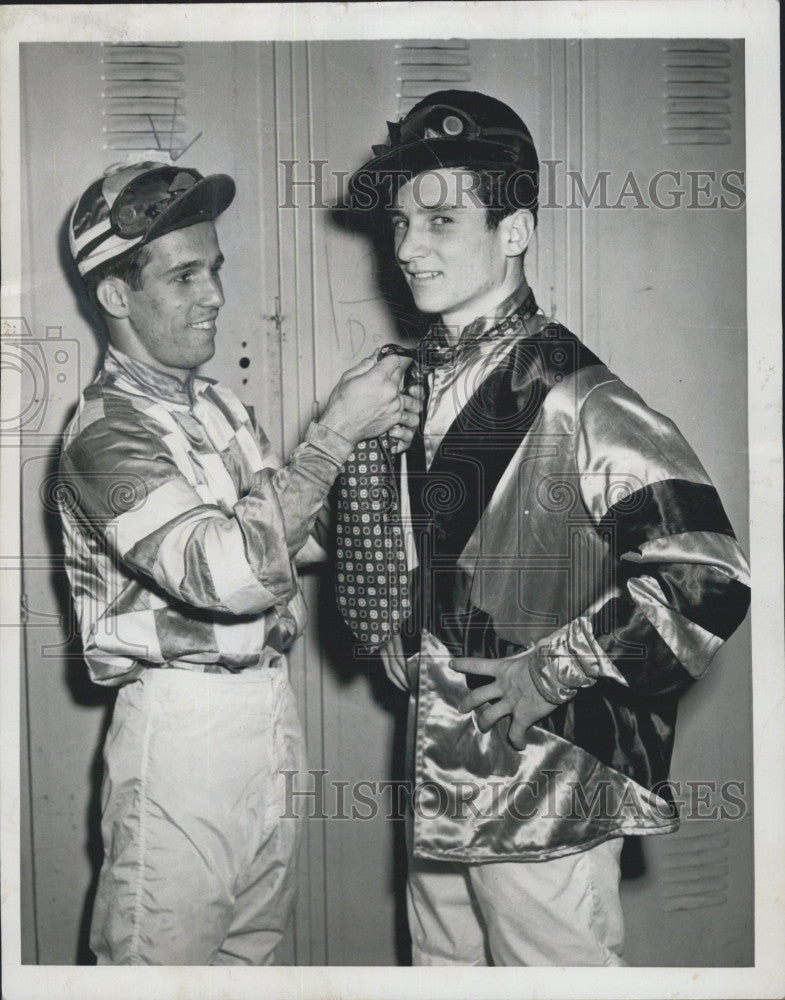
<point>450,128</point>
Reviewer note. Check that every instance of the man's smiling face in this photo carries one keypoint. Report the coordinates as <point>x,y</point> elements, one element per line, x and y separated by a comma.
<point>454,264</point>
<point>174,312</point>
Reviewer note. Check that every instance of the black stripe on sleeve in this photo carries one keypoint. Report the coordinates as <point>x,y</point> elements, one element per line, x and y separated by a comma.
<point>669,507</point>
<point>637,650</point>
<point>705,595</point>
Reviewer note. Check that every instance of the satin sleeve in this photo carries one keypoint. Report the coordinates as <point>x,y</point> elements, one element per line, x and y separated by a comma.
<point>302,487</point>
<point>681,584</point>
<point>127,485</point>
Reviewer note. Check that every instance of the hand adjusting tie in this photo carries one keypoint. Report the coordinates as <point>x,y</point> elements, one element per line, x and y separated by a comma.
<point>413,373</point>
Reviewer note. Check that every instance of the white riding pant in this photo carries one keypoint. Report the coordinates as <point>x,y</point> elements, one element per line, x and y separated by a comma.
<point>199,865</point>
<point>562,912</point>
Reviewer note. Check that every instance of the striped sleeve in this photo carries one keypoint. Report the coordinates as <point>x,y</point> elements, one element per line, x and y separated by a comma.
<point>129,486</point>
<point>317,461</point>
<point>682,581</point>
<point>307,477</point>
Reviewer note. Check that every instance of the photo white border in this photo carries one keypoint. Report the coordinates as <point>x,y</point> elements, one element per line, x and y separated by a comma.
<point>757,21</point>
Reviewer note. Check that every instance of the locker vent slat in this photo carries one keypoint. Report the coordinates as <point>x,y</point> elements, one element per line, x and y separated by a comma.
<point>697,79</point>
<point>143,91</point>
<point>696,866</point>
<point>427,65</point>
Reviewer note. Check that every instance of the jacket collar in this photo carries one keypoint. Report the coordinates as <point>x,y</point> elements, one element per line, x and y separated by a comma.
<point>148,380</point>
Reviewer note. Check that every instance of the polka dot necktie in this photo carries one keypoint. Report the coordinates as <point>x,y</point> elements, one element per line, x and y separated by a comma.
<point>372,587</point>
<point>371,574</point>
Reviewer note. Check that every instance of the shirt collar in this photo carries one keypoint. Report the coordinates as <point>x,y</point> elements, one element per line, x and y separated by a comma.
<point>152,381</point>
<point>479,330</point>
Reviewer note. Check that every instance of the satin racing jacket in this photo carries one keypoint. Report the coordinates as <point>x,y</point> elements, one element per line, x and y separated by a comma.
<point>182,527</point>
<point>548,509</point>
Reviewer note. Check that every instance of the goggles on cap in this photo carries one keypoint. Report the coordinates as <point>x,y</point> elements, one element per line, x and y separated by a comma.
<point>142,201</point>
<point>442,121</point>
<point>133,203</point>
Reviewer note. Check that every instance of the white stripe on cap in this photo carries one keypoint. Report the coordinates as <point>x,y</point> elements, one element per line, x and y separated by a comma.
<point>90,235</point>
<point>114,246</point>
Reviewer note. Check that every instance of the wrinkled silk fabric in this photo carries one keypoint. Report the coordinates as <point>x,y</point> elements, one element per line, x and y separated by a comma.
<point>476,798</point>
<point>181,526</point>
<point>554,507</point>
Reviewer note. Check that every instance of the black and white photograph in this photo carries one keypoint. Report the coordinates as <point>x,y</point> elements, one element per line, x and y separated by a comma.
<point>392,550</point>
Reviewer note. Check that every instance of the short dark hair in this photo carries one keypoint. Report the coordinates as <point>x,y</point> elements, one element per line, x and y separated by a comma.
<point>128,268</point>
<point>503,192</point>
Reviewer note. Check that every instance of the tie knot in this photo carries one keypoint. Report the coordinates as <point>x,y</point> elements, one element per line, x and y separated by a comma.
<point>434,351</point>
<point>429,354</point>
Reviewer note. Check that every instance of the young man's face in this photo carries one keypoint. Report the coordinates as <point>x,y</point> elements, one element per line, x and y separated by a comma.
<point>173,314</point>
<point>453,263</point>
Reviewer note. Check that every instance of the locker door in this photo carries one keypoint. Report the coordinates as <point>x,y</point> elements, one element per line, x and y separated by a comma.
<point>219,98</point>
<point>355,87</point>
<point>665,306</point>
<point>64,713</point>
